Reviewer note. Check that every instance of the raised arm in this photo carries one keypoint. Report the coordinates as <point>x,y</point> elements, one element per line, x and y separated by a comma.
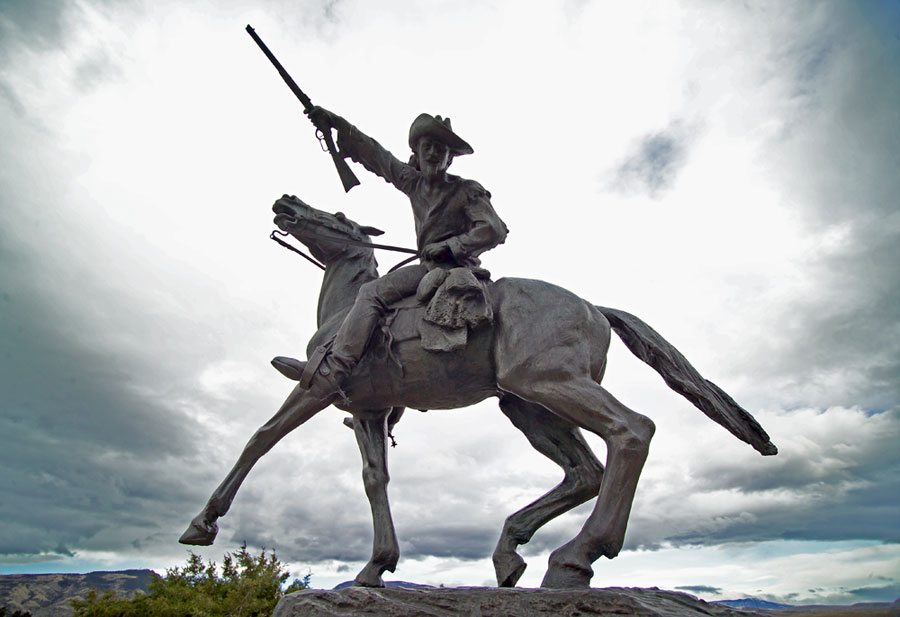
<point>363,149</point>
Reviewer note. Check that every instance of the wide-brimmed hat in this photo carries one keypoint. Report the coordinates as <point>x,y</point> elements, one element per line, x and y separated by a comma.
<point>439,129</point>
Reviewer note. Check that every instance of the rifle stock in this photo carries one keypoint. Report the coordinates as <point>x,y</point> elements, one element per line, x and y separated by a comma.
<point>348,178</point>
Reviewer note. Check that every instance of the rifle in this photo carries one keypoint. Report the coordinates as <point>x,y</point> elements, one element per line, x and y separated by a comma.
<point>348,179</point>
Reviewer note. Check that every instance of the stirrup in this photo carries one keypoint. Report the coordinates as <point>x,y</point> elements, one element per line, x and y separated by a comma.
<point>312,366</point>
<point>317,365</point>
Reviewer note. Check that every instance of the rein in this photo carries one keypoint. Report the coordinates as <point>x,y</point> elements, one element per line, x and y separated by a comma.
<point>349,241</point>
<point>312,260</point>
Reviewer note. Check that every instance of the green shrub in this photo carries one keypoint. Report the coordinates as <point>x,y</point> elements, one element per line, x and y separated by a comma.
<point>247,586</point>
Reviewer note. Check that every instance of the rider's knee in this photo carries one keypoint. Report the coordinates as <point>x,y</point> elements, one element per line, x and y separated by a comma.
<point>371,294</point>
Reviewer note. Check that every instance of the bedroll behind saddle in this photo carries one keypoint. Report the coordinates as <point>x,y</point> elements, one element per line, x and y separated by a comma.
<point>457,302</point>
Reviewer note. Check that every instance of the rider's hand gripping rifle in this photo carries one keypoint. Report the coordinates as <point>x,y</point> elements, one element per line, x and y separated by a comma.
<point>348,179</point>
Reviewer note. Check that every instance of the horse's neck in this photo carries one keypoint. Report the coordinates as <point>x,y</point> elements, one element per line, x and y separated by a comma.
<point>342,281</point>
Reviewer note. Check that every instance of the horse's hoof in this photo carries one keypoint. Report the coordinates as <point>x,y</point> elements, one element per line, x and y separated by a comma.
<point>567,577</point>
<point>199,532</point>
<point>566,573</point>
<point>368,579</point>
<point>509,568</point>
<point>289,367</point>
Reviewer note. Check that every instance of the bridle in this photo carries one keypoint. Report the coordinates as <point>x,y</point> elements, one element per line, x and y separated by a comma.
<point>347,241</point>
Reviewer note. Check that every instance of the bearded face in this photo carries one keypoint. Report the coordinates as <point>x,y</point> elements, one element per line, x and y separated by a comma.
<point>433,155</point>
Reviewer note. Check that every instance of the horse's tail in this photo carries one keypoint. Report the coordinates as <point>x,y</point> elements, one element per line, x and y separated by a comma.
<point>647,344</point>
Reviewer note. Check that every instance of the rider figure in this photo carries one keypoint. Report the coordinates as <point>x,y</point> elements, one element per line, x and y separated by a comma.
<point>454,220</point>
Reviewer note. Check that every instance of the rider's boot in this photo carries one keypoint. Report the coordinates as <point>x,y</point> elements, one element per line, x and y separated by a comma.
<point>289,367</point>
<point>326,379</point>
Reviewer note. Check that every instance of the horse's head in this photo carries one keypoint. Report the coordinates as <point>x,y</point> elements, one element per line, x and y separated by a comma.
<point>323,234</point>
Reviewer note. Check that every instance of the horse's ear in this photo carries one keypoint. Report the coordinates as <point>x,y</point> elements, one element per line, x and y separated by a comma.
<point>371,231</point>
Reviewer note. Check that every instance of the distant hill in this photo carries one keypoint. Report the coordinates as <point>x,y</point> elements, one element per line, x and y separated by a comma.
<point>752,603</point>
<point>50,595</point>
<point>862,609</point>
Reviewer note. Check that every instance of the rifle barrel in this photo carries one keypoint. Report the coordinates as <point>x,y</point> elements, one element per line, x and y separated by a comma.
<point>305,100</point>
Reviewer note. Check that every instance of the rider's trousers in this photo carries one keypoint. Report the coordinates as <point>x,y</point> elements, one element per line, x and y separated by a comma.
<point>370,307</point>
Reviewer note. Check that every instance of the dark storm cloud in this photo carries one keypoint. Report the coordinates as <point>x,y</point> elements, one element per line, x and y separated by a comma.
<point>876,593</point>
<point>867,457</point>
<point>57,388</point>
<point>700,589</point>
<point>858,515</point>
<point>37,23</point>
<point>32,28</point>
<point>837,162</point>
<point>84,449</point>
<point>836,478</point>
<point>9,93</point>
<point>315,530</point>
<point>462,541</point>
<point>97,449</point>
<point>654,164</point>
<point>849,326</point>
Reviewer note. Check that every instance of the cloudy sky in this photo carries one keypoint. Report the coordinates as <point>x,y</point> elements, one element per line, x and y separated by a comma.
<point>727,172</point>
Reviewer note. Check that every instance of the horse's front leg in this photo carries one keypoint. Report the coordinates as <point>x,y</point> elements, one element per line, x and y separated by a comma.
<point>372,436</point>
<point>296,409</point>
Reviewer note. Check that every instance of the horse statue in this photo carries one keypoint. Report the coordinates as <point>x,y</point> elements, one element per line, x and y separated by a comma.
<point>543,357</point>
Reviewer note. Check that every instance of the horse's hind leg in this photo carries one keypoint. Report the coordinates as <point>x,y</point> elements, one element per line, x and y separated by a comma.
<point>296,409</point>
<point>582,401</point>
<point>372,437</point>
<point>561,442</point>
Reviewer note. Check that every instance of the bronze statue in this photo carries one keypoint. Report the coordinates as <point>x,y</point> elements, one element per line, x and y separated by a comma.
<point>543,356</point>
<point>449,338</point>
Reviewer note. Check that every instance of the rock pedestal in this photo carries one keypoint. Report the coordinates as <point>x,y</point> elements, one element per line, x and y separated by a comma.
<point>493,602</point>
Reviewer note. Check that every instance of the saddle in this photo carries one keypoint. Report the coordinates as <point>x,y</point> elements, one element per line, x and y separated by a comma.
<point>448,304</point>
